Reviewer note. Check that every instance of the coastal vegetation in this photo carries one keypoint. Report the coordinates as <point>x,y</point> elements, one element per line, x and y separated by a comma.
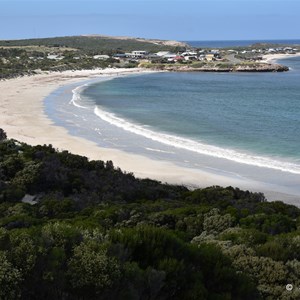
<point>103,44</point>
<point>32,56</point>
<point>15,62</point>
<point>71,228</point>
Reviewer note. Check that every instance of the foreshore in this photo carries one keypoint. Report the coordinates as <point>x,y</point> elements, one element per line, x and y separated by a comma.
<point>23,118</point>
<point>273,58</point>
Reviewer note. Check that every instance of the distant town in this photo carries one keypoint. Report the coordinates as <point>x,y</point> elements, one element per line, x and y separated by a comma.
<point>25,57</point>
<point>186,56</point>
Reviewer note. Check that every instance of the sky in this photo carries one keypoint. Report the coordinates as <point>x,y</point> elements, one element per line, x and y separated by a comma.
<point>163,19</point>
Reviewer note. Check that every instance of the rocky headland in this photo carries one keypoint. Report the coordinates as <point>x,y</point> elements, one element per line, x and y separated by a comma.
<point>259,67</point>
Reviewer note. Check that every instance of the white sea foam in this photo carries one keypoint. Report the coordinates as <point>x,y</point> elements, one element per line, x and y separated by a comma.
<point>76,92</point>
<point>76,96</point>
<point>187,144</point>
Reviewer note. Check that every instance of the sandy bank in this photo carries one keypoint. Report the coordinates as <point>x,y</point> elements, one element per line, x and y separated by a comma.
<point>273,58</point>
<point>23,118</point>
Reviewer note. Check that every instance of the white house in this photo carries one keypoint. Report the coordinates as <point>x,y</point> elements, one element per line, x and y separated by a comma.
<point>162,53</point>
<point>170,56</point>
<point>101,57</point>
<point>139,53</point>
<point>190,57</point>
<point>189,53</point>
<point>55,57</point>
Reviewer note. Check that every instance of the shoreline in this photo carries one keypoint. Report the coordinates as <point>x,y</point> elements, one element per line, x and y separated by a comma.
<point>273,58</point>
<point>30,124</point>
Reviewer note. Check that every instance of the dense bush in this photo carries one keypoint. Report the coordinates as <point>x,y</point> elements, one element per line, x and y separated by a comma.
<point>91,231</point>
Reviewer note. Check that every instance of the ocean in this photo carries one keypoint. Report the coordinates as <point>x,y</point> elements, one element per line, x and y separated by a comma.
<point>239,43</point>
<point>242,125</point>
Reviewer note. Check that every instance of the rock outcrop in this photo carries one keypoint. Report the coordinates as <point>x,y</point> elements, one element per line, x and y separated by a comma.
<point>261,67</point>
<point>258,67</point>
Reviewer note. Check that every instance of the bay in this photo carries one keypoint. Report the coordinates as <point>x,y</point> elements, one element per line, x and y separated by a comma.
<point>258,114</point>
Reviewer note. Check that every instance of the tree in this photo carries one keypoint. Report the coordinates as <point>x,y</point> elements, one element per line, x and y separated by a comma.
<point>12,165</point>
<point>28,177</point>
<point>216,223</point>
<point>91,270</point>
<point>10,279</point>
<point>3,135</point>
<point>23,252</point>
<point>270,276</point>
<point>60,235</point>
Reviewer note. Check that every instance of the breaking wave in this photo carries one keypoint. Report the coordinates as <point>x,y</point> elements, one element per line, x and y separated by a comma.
<point>76,96</point>
<point>198,147</point>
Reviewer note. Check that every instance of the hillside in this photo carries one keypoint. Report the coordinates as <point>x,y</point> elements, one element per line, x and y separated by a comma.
<point>77,229</point>
<point>97,43</point>
<point>153,41</point>
<point>27,57</point>
<point>31,56</point>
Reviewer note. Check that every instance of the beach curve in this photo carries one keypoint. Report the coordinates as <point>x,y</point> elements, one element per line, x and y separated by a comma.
<point>29,123</point>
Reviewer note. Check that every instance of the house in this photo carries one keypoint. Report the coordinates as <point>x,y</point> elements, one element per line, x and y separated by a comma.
<point>162,53</point>
<point>189,53</point>
<point>29,199</point>
<point>55,57</point>
<point>215,51</point>
<point>170,56</point>
<point>190,57</point>
<point>101,57</point>
<point>178,58</point>
<point>210,57</point>
<point>138,54</point>
<point>119,55</point>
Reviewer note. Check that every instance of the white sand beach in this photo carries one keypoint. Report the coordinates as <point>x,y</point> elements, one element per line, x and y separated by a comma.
<point>23,118</point>
<point>273,58</point>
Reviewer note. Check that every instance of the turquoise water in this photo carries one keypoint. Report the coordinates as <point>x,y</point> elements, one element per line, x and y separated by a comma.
<point>244,126</point>
<point>255,115</point>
